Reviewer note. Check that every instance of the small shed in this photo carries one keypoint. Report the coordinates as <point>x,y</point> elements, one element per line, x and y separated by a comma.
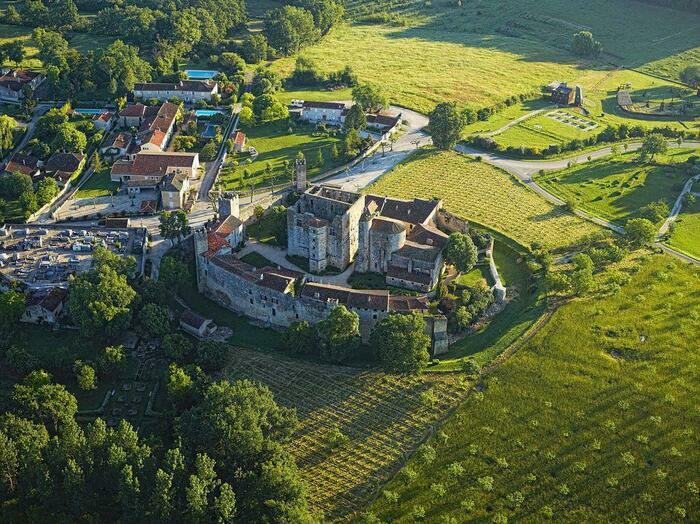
<point>196,325</point>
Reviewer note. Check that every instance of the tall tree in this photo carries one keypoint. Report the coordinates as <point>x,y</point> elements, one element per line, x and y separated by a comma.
<point>12,304</point>
<point>461,251</point>
<point>654,144</point>
<point>401,343</point>
<point>7,133</point>
<point>446,124</point>
<point>370,97</point>
<point>339,334</point>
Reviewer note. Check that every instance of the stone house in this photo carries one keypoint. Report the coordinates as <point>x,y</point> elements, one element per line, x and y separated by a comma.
<point>148,169</point>
<point>44,306</point>
<point>117,145</point>
<point>332,113</point>
<point>186,90</point>
<point>24,164</point>
<point>13,82</point>
<point>174,190</point>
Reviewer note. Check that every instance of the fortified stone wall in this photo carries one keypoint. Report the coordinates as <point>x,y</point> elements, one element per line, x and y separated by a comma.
<point>450,222</point>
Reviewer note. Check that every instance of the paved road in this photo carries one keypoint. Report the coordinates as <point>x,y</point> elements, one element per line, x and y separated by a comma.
<point>29,132</point>
<point>369,170</point>
<point>517,121</point>
<point>213,167</point>
<point>677,206</point>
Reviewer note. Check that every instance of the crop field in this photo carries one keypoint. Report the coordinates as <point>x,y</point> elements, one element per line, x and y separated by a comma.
<point>486,195</point>
<point>377,420</point>
<point>686,231</point>
<point>275,144</point>
<point>483,52</point>
<point>595,419</point>
<point>617,188</point>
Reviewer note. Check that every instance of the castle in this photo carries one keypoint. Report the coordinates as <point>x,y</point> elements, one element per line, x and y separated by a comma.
<point>397,238</point>
<point>278,297</point>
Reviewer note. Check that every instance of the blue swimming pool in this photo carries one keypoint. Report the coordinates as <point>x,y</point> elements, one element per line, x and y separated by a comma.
<point>84,111</point>
<point>199,113</point>
<point>200,74</point>
<point>209,132</point>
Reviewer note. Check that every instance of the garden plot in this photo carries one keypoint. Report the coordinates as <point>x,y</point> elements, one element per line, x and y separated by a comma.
<point>357,426</point>
<point>574,121</point>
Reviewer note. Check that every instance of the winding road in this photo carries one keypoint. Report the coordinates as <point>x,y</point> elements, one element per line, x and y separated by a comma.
<point>524,169</point>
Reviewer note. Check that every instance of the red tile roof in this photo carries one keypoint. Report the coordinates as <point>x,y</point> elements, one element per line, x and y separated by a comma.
<point>145,164</point>
<point>133,111</point>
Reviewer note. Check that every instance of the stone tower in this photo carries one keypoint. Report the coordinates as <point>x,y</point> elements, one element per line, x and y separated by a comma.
<point>362,259</point>
<point>229,205</point>
<point>300,178</point>
<point>201,245</point>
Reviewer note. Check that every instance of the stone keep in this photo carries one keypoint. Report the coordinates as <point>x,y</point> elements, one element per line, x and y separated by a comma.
<point>300,179</point>
<point>229,205</point>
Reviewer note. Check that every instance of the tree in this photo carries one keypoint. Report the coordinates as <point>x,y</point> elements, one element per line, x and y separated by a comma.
<point>290,28</point>
<point>691,75</point>
<point>101,256</point>
<point>12,305</point>
<point>232,63</point>
<point>401,343</point>
<point>28,203</point>
<point>85,376</point>
<point>154,320</point>
<point>655,211</point>
<point>246,116</point>
<point>300,338</point>
<point>370,97</point>
<point>582,277</point>
<point>208,152</point>
<point>254,48</point>
<point>111,359</point>
<point>461,251</point>
<point>211,356</point>
<point>445,125</point>
<point>654,144</point>
<point>9,465</point>
<point>7,133</point>
<point>41,401</point>
<point>353,143</point>
<point>355,118</point>
<point>179,384</point>
<point>173,225</point>
<point>14,185</point>
<point>640,231</point>
<point>46,190</point>
<point>100,302</point>
<point>583,44</point>
<point>173,273</point>
<point>339,334</point>
<point>15,51</point>
<point>69,139</point>
<point>176,346</point>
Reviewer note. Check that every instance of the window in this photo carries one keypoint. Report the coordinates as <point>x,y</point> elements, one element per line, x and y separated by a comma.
<point>274,313</point>
<point>374,316</point>
<point>251,301</point>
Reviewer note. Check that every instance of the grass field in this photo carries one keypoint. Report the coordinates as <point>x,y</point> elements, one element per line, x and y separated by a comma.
<point>485,195</point>
<point>686,231</point>
<point>548,128</point>
<point>485,51</point>
<point>594,420</point>
<point>376,419</point>
<point>616,189</point>
<point>98,185</point>
<point>275,144</point>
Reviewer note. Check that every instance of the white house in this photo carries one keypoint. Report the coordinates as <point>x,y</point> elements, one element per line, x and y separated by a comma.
<point>323,112</point>
<point>186,90</point>
<point>13,80</point>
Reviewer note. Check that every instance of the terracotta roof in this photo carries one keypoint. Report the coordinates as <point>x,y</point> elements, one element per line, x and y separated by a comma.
<point>407,304</point>
<point>121,140</point>
<point>160,117</point>
<point>227,226</point>
<point>324,105</point>
<point>192,319</point>
<point>240,138</point>
<point>153,163</point>
<point>409,276</point>
<point>104,117</point>
<point>214,244</point>
<point>133,111</point>
<point>25,164</point>
<point>416,211</point>
<point>155,137</point>
<point>64,162</point>
<point>202,86</point>
<point>15,79</point>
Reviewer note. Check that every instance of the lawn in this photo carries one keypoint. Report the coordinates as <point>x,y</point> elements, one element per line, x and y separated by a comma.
<point>686,231</point>
<point>485,195</point>
<point>376,420</point>
<point>318,95</point>
<point>595,419</point>
<point>478,275</point>
<point>256,259</point>
<point>548,128</point>
<point>481,52</point>
<point>98,185</point>
<point>618,188</point>
<point>275,144</point>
